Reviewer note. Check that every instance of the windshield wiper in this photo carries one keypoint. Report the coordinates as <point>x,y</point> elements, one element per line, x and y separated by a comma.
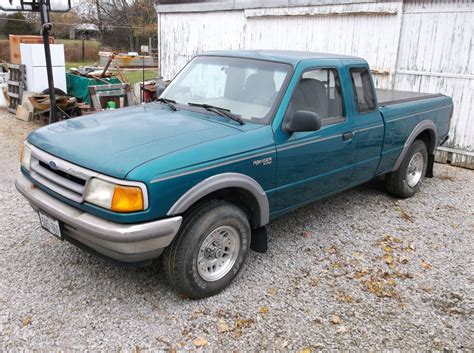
<point>218,110</point>
<point>169,102</point>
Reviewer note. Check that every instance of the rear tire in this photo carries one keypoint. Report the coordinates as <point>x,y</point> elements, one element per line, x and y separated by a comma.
<point>406,181</point>
<point>208,251</point>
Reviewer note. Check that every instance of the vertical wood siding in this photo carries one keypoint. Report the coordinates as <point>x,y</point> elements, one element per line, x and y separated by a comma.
<point>437,55</point>
<point>421,45</point>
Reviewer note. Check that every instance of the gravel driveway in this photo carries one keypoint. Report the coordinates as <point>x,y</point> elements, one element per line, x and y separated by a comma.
<point>357,270</point>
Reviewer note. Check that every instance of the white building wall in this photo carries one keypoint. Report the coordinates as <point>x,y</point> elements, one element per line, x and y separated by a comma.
<point>437,55</point>
<point>418,45</point>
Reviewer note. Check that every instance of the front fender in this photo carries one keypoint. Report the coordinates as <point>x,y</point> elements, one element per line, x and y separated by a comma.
<point>219,182</point>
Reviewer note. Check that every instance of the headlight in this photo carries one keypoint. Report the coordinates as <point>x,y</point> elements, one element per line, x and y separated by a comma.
<point>118,198</point>
<point>25,156</point>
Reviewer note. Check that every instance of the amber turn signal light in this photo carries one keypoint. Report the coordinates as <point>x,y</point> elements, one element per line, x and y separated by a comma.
<point>127,199</point>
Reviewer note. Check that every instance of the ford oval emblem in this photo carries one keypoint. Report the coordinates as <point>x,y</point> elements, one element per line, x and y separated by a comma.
<point>53,165</point>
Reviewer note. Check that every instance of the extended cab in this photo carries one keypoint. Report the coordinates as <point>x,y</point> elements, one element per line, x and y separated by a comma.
<point>237,139</point>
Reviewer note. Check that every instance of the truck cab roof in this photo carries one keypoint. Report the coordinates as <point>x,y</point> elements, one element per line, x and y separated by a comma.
<point>292,57</point>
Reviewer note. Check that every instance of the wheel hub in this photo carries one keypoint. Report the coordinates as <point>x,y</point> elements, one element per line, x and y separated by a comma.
<point>218,253</point>
<point>415,169</point>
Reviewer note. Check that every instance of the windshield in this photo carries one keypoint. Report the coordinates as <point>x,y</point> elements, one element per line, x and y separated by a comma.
<point>247,88</point>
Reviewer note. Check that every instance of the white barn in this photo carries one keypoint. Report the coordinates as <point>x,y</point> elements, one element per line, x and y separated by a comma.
<point>414,45</point>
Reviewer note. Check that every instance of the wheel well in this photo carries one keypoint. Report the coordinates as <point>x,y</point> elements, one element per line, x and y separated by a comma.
<point>237,196</point>
<point>428,137</point>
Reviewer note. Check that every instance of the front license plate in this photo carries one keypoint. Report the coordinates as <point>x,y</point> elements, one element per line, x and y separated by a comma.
<point>50,224</point>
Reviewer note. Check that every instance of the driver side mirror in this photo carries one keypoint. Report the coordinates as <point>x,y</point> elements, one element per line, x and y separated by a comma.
<point>302,120</point>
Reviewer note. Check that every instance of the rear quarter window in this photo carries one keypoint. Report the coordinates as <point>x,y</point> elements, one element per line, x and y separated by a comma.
<point>363,90</point>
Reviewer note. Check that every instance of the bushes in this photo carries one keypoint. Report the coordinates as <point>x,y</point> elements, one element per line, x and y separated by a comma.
<point>72,50</point>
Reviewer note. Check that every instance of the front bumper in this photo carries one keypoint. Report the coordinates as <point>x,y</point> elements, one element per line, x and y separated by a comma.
<point>121,242</point>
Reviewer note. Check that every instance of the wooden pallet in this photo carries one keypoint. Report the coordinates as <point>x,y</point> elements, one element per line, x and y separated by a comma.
<point>16,85</point>
<point>120,93</point>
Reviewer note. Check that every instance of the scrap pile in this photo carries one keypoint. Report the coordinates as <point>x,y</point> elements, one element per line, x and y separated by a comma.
<point>41,103</point>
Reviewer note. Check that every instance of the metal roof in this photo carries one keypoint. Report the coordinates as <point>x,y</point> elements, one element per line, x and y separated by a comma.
<point>170,6</point>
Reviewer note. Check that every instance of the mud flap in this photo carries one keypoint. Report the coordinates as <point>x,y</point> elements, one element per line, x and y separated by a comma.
<point>259,242</point>
<point>429,167</point>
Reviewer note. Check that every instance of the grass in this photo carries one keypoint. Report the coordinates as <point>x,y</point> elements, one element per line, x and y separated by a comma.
<point>87,43</point>
<point>136,76</point>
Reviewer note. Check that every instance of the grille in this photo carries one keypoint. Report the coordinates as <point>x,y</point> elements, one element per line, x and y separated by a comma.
<point>61,178</point>
<point>63,174</point>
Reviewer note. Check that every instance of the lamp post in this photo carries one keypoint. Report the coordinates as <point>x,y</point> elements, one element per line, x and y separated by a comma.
<point>45,29</point>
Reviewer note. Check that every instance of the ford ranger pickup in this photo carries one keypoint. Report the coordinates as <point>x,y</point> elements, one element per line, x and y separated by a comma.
<point>236,139</point>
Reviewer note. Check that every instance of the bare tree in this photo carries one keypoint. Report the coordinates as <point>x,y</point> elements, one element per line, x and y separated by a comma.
<point>123,23</point>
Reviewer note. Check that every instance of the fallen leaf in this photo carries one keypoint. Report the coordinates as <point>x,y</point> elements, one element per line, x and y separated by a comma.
<point>403,260</point>
<point>410,248</point>
<point>26,320</point>
<point>272,291</point>
<point>222,327</point>
<point>388,249</point>
<point>392,266</point>
<point>455,226</point>
<point>240,324</point>
<point>426,266</point>
<point>344,297</point>
<point>264,310</point>
<point>358,256</point>
<point>200,342</point>
<point>388,259</point>
<point>305,350</point>
<point>335,319</point>
<point>361,273</point>
<point>314,281</point>
<point>405,216</point>
<point>336,265</point>
<point>396,240</point>
<point>379,289</point>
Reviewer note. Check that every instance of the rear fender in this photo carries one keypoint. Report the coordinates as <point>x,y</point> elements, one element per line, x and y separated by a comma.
<point>425,125</point>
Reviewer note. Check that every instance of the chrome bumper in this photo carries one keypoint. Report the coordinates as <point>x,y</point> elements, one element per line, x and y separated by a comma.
<point>121,242</point>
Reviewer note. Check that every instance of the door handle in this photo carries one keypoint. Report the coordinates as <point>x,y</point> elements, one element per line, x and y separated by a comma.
<point>347,136</point>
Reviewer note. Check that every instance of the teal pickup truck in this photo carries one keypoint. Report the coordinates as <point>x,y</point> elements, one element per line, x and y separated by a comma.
<point>237,139</point>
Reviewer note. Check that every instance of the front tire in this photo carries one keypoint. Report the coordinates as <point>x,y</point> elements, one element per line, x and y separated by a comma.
<point>208,251</point>
<point>406,181</point>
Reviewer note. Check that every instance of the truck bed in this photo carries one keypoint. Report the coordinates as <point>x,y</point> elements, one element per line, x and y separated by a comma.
<point>388,97</point>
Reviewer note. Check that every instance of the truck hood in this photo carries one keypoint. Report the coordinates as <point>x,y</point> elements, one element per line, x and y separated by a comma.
<point>115,142</point>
